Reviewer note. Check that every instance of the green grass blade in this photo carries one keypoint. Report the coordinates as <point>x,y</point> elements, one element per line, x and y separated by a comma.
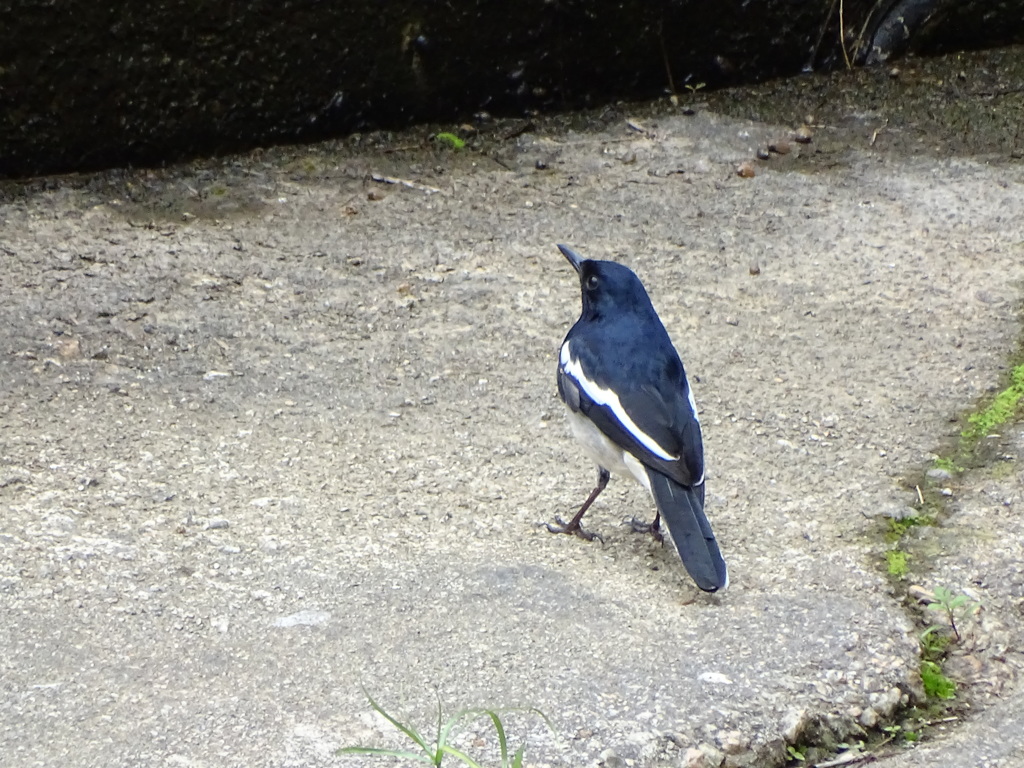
<point>547,721</point>
<point>458,717</point>
<point>460,755</point>
<point>408,730</point>
<point>517,759</point>
<point>442,731</point>
<point>500,730</point>
<point>387,752</point>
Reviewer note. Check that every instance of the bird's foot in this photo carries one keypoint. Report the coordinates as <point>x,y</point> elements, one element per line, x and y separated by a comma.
<point>639,526</point>
<point>572,529</point>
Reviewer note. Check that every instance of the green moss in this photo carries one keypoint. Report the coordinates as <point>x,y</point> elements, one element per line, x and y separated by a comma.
<point>451,140</point>
<point>896,560</point>
<point>934,644</point>
<point>936,685</point>
<point>947,463</point>
<point>896,528</point>
<point>1003,408</point>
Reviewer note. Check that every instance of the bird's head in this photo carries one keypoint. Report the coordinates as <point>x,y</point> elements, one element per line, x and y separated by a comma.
<point>607,287</point>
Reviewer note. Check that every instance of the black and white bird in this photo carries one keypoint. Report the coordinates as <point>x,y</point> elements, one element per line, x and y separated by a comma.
<point>632,409</point>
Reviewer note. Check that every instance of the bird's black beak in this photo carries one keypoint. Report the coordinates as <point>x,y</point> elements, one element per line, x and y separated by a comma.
<point>574,258</point>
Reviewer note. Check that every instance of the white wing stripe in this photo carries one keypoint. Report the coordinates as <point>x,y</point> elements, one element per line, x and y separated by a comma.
<point>693,403</point>
<point>603,396</point>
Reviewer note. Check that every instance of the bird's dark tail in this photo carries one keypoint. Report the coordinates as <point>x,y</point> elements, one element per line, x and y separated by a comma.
<point>682,509</point>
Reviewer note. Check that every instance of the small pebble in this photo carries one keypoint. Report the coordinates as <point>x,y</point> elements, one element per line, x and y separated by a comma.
<point>921,594</point>
<point>745,170</point>
<point>610,759</point>
<point>803,134</point>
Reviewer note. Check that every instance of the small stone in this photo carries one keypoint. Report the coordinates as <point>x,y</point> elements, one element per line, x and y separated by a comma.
<point>793,725</point>
<point>868,718</point>
<point>712,757</point>
<point>803,134</point>
<point>763,153</point>
<point>610,759</point>
<point>938,474</point>
<point>901,512</point>
<point>716,678</point>
<point>732,742</point>
<point>215,523</point>
<point>780,147</point>
<point>755,268</point>
<point>742,760</point>
<point>745,171</point>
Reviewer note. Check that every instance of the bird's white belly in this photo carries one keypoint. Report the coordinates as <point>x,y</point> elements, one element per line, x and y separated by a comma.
<point>604,452</point>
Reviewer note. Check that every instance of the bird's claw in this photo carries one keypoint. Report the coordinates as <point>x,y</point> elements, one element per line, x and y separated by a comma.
<point>572,530</point>
<point>639,526</point>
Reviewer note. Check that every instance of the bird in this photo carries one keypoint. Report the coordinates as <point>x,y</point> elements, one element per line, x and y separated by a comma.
<point>631,407</point>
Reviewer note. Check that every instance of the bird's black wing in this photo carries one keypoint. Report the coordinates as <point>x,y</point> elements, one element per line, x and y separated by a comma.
<point>654,421</point>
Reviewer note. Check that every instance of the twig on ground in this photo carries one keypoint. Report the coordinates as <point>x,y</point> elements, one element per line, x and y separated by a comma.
<point>848,758</point>
<point>403,182</point>
<point>524,128</point>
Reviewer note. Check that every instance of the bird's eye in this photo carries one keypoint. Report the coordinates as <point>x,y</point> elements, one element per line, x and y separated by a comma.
<point>592,282</point>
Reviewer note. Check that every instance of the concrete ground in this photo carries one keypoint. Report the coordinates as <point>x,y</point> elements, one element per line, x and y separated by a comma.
<point>273,432</point>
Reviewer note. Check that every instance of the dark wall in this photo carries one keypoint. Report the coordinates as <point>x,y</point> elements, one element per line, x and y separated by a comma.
<point>86,84</point>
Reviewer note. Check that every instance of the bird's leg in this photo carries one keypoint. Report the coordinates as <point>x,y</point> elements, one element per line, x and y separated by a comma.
<point>653,528</point>
<point>573,526</point>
